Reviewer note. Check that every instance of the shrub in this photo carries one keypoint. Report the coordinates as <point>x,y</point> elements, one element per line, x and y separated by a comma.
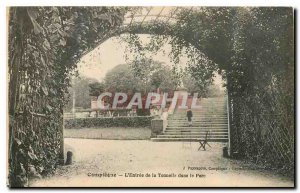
<point>139,121</point>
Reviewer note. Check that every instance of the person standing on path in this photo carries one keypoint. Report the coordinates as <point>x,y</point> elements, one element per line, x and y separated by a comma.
<point>189,115</point>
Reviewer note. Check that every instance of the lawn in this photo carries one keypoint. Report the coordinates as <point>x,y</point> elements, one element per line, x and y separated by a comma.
<point>109,133</point>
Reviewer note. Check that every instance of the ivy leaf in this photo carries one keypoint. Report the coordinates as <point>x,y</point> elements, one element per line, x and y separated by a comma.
<point>62,42</point>
<point>103,17</point>
<point>33,15</point>
<point>43,62</point>
<point>22,170</point>
<point>62,33</point>
<point>45,91</point>
<point>32,156</point>
<point>49,108</point>
<point>18,141</point>
<point>46,45</point>
<point>35,54</point>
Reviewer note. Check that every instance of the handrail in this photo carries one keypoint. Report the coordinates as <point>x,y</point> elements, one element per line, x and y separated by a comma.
<point>228,126</point>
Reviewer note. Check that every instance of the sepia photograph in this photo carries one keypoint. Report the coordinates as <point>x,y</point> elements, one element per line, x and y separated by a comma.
<point>150,96</point>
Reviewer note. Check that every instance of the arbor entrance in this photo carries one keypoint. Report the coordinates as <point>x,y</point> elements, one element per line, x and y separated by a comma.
<point>46,43</point>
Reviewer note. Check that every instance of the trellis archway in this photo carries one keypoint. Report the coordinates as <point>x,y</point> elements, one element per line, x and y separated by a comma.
<point>46,43</point>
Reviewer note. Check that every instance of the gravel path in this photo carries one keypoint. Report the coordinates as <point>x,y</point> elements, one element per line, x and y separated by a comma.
<point>97,161</point>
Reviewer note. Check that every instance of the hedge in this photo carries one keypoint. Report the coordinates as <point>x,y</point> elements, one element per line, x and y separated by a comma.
<point>139,121</point>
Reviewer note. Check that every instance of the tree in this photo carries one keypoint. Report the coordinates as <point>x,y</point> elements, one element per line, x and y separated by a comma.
<point>147,77</point>
<point>45,45</point>
<point>252,48</point>
<point>81,88</point>
<point>121,79</point>
<point>164,79</point>
<point>96,88</point>
<point>154,75</point>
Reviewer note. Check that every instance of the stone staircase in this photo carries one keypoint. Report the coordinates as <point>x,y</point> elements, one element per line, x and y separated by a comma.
<point>211,117</point>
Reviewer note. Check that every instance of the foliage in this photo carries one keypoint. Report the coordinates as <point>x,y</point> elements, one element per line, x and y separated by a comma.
<point>139,121</point>
<point>192,86</point>
<point>153,75</point>
<point>45,44</point>
<point>251,47</point>
<point>96,88</point>
<point>164,78</point>
<point>121,79</point>
<point>263,92</point>
<point>253,50</point>
<point>215,91</point>
<point>80,86</point>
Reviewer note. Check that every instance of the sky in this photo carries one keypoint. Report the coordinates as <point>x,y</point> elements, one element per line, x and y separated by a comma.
<point>112,52</point>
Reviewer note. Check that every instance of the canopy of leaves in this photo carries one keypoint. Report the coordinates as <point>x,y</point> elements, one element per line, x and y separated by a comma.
<point>96,88</point>
<point>253,49</point>
<point>45,44</point>
<point>81,88</point>
<point>126,78</point>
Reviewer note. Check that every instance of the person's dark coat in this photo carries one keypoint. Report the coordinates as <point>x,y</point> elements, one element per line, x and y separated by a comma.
<point>189,115</point>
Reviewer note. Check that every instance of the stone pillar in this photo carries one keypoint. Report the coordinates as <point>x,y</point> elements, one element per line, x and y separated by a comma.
<point>62,145</point>
<point>157,127</point>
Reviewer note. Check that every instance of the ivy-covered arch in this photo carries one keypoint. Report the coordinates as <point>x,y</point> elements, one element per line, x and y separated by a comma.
<point>251,48</point>
<point>45,45</point>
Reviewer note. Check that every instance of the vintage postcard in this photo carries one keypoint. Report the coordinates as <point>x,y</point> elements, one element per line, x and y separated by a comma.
<point>151,96</point>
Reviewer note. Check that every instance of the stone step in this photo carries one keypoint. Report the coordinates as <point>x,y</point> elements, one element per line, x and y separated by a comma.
<point>188,139</point>
<point>208,104</point>
<point>192,136</point>
<point>224,128</point>
<point>197,121</point>
<point>172,122</point>
<point>195,133</point>
<point>212,101</point>
<point>197,125</point>
<point>199,131</point>
<point>202,106</point>
<point>195,130</point>
<point>212,116</point>
<point>200,116</point>
<point>199,135</point>
<point>201,111</point>
<point>192,127</point>
<point>185,122</point>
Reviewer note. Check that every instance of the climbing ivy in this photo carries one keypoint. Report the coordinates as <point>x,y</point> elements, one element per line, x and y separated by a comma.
<point>252,48</point>
<point>45,45</point>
